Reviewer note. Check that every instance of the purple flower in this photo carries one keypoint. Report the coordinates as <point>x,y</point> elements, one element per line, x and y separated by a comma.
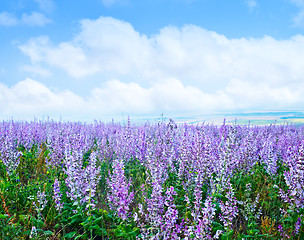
<point>42,202</point>
<point>297,226</point>
<point>9,153</point>
<point>268,155</point>
<point>57,196</point>
<point>81,182</point>
<point>119,197</point>
<point>170,228</point>
<point>204,228</point>
<point>229,208</point>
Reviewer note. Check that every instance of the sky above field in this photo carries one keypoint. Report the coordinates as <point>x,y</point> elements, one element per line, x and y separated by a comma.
<point>103,59</point>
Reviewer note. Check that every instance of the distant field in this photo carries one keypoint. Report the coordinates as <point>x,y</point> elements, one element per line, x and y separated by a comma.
<point>255,118</point>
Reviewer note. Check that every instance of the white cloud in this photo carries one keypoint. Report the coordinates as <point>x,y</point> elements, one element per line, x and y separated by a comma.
<point>299,3</point>
<point>298,19</point>
<point>178,69</point>
<point>37,70</point>
<point>169,95</point>
<point>109,3</point>
<point>46,5</point>
<point>250,95</point>
<point>8,19</point>
<point>32,19</point>
<point>190,53</point>
<point>30,98</point>
<point>35,48</point>
<point>251,4</point>
<point>67,56</point>
<point>35,19</point>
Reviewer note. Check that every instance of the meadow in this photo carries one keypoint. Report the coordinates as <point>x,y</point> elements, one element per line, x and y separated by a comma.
<point>74,180</point>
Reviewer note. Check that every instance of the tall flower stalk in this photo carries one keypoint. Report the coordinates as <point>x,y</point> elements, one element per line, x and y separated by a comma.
<point>81,181</point>
<point>57,196</point>
<point>119,197</point>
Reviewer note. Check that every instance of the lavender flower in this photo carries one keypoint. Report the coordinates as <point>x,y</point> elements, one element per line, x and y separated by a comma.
<point>82,182</point>
<point>170,229</point>
<point>297,226</point>
<point>119,197</point>
<point>229,208</point>
<point>201,227</point>
<point>156,205</point>
<point>204,228</point>
<point>196,214</point>
<point>57,196</point>
<point>33,233</point>
<point>294,179</point>
<point>42,202</point>
<point>268,154</point>
<point>217,234</point>
<point>283,234</point>
<point>9,153</point>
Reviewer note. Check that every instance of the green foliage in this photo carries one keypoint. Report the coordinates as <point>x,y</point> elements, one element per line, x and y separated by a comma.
<point>18,194</point>
<point>8,229</point>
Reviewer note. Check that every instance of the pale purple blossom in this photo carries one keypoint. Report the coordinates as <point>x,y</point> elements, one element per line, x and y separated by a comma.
<point>119,196</point>
<point>57,196</point>
<point>170,228</point>
<point>229,209</point>
<point>81,181</point>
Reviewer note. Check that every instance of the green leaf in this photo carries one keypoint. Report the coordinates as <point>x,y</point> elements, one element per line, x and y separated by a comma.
<point>230,234</point>
<point>47,233</point>
<point>40,223</point>
<point>218,226</point>
<point>94,227</point>
<point>79,236</point>
<point>119,233</point>
<point>3,216</point>
<point>97,220</point>
<point>77,220</point>
<point>248,236</point>
<point>135,232</point>
<point>77,216</point>
<point>70,235</point>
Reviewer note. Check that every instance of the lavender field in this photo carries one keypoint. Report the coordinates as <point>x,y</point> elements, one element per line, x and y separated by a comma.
<point>68,180</point>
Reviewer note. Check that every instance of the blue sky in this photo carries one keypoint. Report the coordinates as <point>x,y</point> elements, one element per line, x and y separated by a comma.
<point>99,59</point>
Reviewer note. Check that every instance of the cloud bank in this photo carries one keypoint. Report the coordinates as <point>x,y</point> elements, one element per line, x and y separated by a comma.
<point>187,69</point>
<point>30,98</point>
